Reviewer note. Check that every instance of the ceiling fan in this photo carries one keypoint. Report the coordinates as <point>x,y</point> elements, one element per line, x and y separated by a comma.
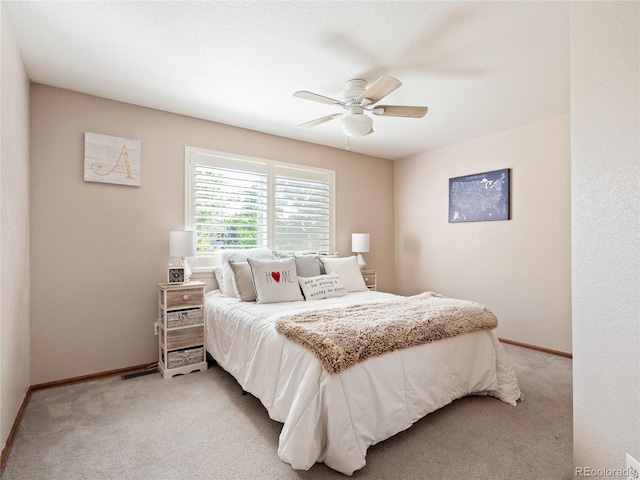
<point>357,99</point>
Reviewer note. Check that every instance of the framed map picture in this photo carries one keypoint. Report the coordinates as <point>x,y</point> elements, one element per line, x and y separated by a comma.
<point>480,197</point>
<point>110,159</point>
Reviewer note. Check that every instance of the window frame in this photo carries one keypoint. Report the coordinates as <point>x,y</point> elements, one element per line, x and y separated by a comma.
<point>191,160</point>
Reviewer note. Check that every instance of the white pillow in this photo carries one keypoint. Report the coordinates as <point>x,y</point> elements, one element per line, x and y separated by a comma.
<point>275,280</point>
<point>322,286</point>
<point>243,281</point>
<point>217,271</point>
<point>227,288</point>
<point>348,270</point>
<point>325,255</point>
<point>308,265</point>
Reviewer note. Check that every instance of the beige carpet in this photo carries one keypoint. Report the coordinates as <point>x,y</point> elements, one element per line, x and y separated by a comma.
<point>200,426</point>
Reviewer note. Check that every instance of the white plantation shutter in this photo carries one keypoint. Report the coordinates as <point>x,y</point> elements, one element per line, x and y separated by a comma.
<point>230,207</point>
<point>238,202</point>
<point>302,203</point>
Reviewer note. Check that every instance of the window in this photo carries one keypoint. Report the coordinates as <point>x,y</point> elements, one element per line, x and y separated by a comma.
<point>241,202</point>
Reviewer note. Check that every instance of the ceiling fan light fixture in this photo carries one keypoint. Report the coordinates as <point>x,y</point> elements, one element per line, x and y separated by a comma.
<point>356,125</point>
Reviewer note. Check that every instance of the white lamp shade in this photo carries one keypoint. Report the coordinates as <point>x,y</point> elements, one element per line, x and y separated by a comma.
<point>359,242</point>
<point>356,125</point>
<point>182,243</point>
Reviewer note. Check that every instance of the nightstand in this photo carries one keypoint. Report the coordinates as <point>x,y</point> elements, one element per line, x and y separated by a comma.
<point>181,328</point>
<point>370,279</point>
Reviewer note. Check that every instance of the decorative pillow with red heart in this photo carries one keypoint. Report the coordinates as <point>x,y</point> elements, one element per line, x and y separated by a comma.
<point>275,280</point>
<point>226,285</point>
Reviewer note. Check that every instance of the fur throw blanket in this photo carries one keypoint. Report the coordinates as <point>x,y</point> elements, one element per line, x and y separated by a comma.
<point>342,337</point>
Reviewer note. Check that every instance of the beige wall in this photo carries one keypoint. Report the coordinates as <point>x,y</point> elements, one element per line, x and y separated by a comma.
<point>605,164</point>
<point>98,250</point>
<point>14,231</point>
<point>519,268</point>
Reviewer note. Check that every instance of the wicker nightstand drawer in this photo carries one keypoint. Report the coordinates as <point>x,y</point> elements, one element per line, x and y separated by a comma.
<point>188,356</point>
<point>183,318</point>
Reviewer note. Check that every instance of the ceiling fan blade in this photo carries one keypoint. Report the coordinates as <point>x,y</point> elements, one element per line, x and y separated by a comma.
<point>320,120</point>
<point>318,98</point>
<point>400,111</point>
<point>380,89</point>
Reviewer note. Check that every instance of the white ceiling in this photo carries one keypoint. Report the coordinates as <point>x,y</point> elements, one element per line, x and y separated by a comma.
<point>480,67</point>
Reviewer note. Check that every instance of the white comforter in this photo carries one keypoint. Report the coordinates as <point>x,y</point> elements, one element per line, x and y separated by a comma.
<point>335,418</point>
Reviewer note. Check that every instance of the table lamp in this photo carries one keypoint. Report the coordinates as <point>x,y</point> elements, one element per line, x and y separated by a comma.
<point>360,245</point>
<point>182,244</point>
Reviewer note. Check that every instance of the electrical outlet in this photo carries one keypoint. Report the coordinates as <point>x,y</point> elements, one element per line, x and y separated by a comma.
<point>155,328</point>
<point>633,468</point>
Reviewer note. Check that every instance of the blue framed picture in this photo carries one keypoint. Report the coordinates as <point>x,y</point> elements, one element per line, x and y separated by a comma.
<point>480,197</point>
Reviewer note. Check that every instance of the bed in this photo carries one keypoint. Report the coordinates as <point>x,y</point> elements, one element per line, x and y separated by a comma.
<point>334,417</point>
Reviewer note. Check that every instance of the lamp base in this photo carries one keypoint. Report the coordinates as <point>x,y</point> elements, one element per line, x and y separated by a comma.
<point>361,263</point>
<point>187,270</point>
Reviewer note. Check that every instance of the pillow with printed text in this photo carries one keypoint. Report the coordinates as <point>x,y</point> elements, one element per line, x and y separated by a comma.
<point>322,286</point>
